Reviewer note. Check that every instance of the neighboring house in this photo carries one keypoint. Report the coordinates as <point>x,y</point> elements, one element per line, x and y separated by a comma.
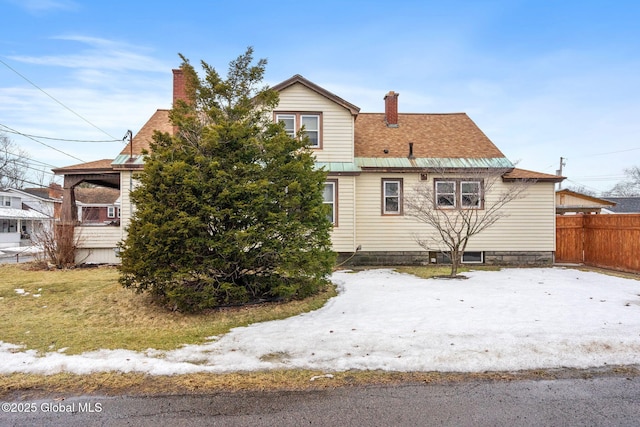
<point>98,206</point>
<point>373,160</point>
<point>46,200</point>
<point>571,202</point>
<point>18,221</point>
<point>624,205</point>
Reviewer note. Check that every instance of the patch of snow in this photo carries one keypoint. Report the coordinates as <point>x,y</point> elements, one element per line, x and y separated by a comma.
<point>382,320</point>
<point>317,377</point>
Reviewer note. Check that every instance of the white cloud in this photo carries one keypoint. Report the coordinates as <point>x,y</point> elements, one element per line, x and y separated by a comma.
<point>101,54</point>
<point>40,6</point>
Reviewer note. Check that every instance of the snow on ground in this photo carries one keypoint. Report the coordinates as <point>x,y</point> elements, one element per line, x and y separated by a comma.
<point>19,254</point>
<point>27,250</point>
<point>496,320</point>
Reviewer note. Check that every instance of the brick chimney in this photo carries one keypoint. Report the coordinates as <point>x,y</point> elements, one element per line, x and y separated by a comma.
<point>179,86</point>
<point>391,109</point>
<point>55,191</point>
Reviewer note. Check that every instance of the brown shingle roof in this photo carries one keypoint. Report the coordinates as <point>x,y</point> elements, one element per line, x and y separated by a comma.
<point>104,164</point>
<point>527,174</point>
<point>159,121</point>
<point>452,135</point>
<point>97,195</point>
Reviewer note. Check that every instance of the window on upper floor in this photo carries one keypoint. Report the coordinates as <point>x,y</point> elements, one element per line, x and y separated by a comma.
<point>5,201</point>
<point>295,121</point>
<point>458,194</point>
<point>111,211</point>
<point>392,196</point>
<point>330,198</point>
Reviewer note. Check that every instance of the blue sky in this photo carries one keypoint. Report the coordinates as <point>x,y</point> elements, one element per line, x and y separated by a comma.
<point>543,79</point>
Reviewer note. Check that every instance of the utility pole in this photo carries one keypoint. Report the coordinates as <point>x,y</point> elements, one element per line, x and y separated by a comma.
<point>559,171</point>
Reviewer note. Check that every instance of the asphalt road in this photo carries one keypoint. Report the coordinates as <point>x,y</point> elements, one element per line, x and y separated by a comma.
<point>604,401</point>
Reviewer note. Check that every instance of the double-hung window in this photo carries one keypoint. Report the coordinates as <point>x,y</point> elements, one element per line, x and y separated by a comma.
<point>391,196</point>
<point>458,194</point>
<point>330,198</point>
<point>289,121</point>
<point>310,122</point>
<point>111,211</point>
<point>446,194</point>
<point>470,194</point>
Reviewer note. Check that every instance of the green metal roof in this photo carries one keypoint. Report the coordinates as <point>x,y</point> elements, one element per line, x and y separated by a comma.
<point>346,167</point>
<point>448,163</point>
<point>123,159</point>
<point>379,162</point>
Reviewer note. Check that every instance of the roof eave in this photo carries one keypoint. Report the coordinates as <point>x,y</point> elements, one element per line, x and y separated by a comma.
<point>354,110</point>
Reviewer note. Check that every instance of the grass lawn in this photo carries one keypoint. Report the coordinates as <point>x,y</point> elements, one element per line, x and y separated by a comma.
<point>87,309</point>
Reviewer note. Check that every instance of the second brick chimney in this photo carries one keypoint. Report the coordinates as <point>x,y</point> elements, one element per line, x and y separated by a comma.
<point>391,109</point>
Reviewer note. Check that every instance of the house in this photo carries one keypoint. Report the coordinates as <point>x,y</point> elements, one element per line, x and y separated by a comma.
<point>373,160</point>
<point>17,221</point>
<point>624,205</point>
<point>98,206</point>
<point>46,200</point>
<point>571,202</point>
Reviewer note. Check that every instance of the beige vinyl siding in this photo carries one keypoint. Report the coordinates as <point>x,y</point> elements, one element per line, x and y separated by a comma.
<point>571,200</point>
<point>377,232</point>
<point>126,207</point>
<point>98,236</point>
<point>96,245</point>
<point>97,256</point>
<point>337,122</point>
<point>343,236</point>
<point>529,226</point>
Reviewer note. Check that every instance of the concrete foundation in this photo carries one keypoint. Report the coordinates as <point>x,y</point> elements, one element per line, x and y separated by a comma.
<point>514,258</point>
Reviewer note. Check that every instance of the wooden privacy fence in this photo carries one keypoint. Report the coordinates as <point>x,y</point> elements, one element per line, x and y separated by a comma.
<point>609,241</point>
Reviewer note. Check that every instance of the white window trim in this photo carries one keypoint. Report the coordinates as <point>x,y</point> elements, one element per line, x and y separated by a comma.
<point>473,262</point>
<point>455,195</point>
<point>297,123</point>
<point>334,203</point>
<point>111,212</point>
<point>478,204</point>
<point>280,117</point>
<point>386,181</point>
<point>317,130</point>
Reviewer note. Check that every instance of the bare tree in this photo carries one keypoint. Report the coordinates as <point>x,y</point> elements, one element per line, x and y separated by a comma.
<point>58,243</point>
<point>458,207</point>
<point>582,190</point>
<point>629,187</point>
<point>13,164</point>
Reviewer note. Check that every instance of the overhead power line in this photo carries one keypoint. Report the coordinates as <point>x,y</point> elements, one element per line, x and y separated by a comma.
<point>42,143</point>
<point>63,139</point>
<point>60,103</point>
<point>604,154</point>
<point>26,159</point>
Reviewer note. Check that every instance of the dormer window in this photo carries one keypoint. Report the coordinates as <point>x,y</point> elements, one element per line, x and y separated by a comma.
<point>289,121</point>
<point>312,123</point>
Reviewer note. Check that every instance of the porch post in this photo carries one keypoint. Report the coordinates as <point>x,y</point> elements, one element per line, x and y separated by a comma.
<point>69,213</point>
